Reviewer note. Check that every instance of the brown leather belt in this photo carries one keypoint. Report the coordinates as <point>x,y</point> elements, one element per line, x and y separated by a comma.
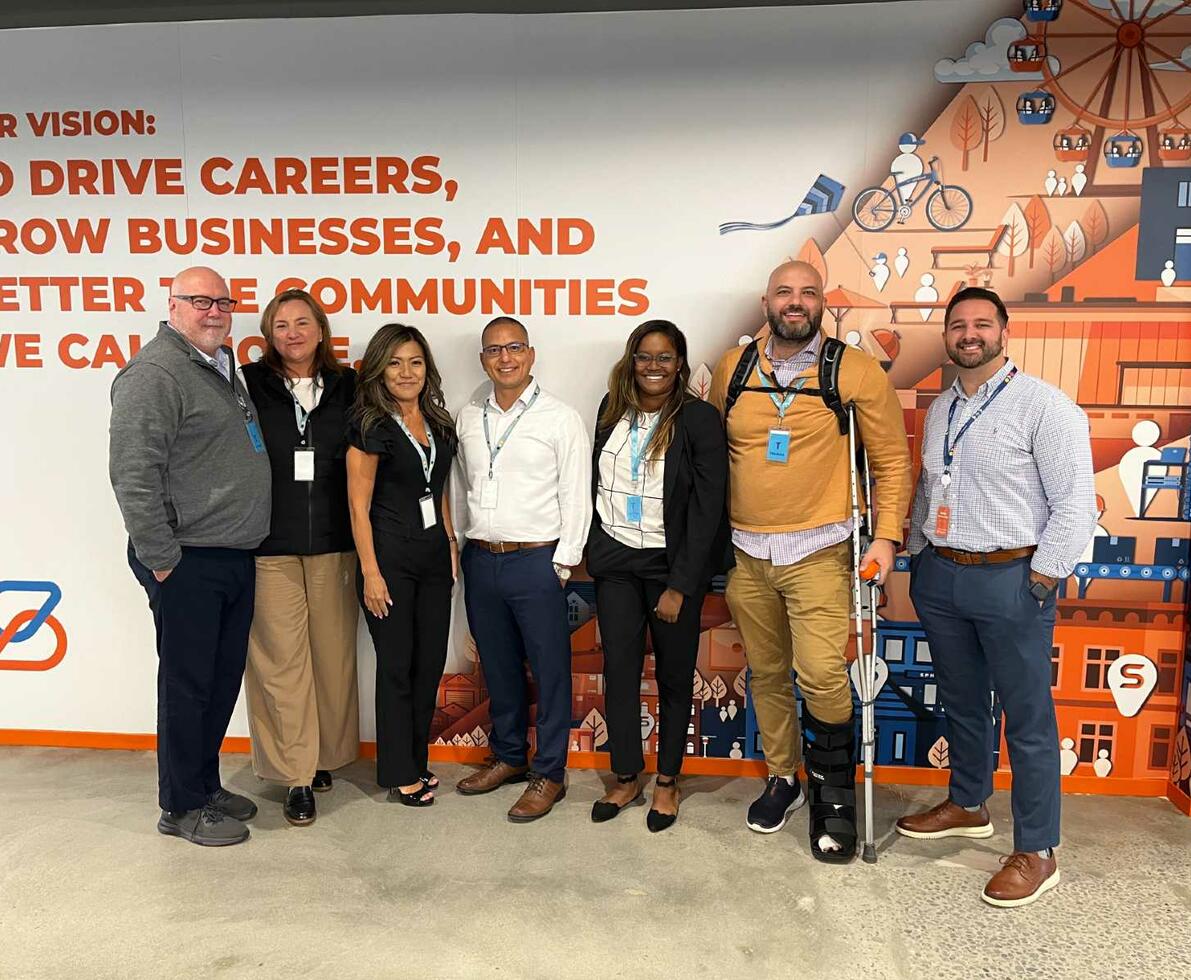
<point>985,557</point>
<point>501,547</point>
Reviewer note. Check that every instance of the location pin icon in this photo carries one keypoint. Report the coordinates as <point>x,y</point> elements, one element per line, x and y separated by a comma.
<point>880,675</point>
<point>1132,679</point>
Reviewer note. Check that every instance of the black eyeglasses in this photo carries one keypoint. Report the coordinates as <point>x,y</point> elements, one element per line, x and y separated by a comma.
<point>661,360</point>
<point>206,302</point>
<point>516,347</point>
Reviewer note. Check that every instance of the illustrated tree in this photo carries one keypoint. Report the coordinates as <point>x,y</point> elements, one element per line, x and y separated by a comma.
<point>1095,225</point>
<point>992,116</point>
<point>1016,239</point>
<point>1076,243</point>
<point>812,255</point>
<point>700,384</point>
<point>740,685</point>
<point>967,132</point>
<point>479,736</point>
<point>599,728</point>
<point>1180,763</point>
<point>939,754</point>
<point>1053,252</point>
<point>702,688</point>
<point>1038,223</point>
<point>719,689</point>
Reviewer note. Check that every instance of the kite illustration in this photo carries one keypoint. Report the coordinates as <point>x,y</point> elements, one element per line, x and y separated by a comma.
<point>823,198</point>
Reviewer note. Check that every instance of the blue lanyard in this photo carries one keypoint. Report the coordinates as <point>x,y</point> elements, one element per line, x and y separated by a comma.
<point>948,445</point>
<point>494,451</point>
<point>636,453</point>
<point>781,404</point>
<point>300,414</point>
<point>427,464</point>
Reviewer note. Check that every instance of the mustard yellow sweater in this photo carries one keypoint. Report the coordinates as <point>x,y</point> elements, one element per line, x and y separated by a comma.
<point>811,488</point>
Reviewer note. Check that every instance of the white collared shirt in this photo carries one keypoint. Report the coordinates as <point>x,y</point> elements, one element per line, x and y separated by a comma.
<point>542,474</point>
<point>220,361</point>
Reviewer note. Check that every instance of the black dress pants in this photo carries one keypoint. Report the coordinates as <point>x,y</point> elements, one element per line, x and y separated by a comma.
<point>411,650</point>
<point>202,613</point>
<point>630,582</point>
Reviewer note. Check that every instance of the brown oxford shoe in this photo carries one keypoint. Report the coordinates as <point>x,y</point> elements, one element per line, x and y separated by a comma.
<point>491,775</point>
<point>946,820</point>
<point>1024,878</point>
<point>538,799</point>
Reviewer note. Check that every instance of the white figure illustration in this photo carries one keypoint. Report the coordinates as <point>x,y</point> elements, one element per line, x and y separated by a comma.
<point>724,713</point>
<point>901,264</point>
<point>1132,464</point>
<point>1061,189</point>
<point>1103,764</point>
<point>1079,180</point>
<point>732,709</point>
<point>926,293</point>
<point>648,722</point>
<point>1100,532</point>
<point>852,338</point>
<point>880,271</point>
<point>1168,273</point>
<point>907,164</point>
<point>743,339</point>
<point>734,752</point>
<point>1050,183</point>
<point>1068,759</point>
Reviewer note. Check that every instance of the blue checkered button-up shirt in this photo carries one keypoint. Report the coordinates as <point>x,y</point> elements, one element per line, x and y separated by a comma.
<point>1021,476</point>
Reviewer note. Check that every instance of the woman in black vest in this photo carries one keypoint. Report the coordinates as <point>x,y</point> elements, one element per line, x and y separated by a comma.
<point>402,445</point>
<point>658,535</point>
<point>303,706</point>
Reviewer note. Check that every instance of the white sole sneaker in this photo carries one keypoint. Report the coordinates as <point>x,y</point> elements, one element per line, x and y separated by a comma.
<point>1014,903</point>
<point>978,832</point>
<point>799,800</point>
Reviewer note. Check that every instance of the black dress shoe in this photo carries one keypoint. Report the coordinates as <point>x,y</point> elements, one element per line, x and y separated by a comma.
<point>299,806</point>
<point>322,781</point>
<point>603,810</point>
<point>655,820</point>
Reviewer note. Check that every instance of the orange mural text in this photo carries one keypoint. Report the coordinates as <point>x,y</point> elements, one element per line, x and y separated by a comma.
<point>76,350</point>
<point>546,236</point>
<point>106,177</point>
<point>21,350</point>
<point>321,175</point>
<point>68,294</point>
<point>40,236</point>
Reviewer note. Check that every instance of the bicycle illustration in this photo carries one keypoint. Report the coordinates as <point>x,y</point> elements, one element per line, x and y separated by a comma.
<point>948,206</point>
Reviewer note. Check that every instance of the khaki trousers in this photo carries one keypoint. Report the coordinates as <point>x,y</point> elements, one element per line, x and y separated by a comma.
<point>303,701</point>
<point>794,616</point>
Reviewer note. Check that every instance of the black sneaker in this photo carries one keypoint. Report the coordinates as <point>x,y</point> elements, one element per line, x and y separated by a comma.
<point>232,804</point>
<point>207,826</point>
<point>772,808</point>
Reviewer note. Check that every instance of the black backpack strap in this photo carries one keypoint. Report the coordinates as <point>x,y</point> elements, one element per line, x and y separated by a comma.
<point>829,362</point>
<point>740,376</point>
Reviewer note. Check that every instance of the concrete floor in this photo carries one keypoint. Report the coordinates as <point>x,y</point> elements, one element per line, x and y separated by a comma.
<point>88,888</point>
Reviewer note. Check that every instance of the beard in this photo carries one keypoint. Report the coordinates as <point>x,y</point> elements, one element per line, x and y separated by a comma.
<point>977,357</point>
<point>794,331</point>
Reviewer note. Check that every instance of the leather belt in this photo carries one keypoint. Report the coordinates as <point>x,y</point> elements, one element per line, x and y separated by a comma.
<point>502,547</point>
<point>985,557</point>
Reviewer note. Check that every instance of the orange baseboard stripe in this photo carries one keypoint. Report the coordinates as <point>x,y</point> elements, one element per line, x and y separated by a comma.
<point>692,765</point>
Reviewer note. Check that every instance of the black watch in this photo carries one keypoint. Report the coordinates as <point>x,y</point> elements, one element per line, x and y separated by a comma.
<point>1041,591</point>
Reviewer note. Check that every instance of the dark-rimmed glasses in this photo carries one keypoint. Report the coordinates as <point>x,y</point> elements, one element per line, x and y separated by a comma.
<point>225,304</point>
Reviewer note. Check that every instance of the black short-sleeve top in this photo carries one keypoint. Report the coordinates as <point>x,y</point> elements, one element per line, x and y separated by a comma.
<point>401,478</point>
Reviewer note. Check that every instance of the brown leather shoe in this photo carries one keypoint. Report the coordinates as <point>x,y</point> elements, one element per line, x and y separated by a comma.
<point>1022,880</point>
<point>491,775</point>
<point>946,820</point>
<point>538,799</point>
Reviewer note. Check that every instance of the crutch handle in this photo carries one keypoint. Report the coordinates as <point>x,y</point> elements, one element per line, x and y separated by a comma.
<point>870,571</point>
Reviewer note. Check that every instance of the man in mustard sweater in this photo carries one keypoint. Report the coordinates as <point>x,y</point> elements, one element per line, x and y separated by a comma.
<point>790,505</point>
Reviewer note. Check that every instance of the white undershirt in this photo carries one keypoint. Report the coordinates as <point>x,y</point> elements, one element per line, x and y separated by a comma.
<point>616,485</point>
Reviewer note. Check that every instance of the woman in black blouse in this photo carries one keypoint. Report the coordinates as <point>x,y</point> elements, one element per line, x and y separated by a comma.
<point>402,445</point>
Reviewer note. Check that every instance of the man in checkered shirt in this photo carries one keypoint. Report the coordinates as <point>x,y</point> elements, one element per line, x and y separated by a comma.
<point>1005,505</point>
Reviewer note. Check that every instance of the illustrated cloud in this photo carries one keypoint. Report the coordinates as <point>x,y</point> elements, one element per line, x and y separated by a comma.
<point>988,60</point>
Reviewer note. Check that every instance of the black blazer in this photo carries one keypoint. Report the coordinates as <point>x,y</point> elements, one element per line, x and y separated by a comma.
<point>694,498</point>
<point>308,518</point>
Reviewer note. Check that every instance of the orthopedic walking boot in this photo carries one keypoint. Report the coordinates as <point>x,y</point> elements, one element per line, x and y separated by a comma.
<point>830,760</point>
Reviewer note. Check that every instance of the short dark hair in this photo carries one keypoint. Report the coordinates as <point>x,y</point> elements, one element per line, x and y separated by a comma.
<point>501,321</point>
<point>977,292</point>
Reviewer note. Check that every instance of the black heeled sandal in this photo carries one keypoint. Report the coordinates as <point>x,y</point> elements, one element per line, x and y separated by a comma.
<point>655,820</point>
<point>417,798</point>
<point>602,810</point>
<point>429,779</point>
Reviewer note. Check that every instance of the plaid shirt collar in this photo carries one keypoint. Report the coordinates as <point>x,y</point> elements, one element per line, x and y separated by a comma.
<point>988,386</point>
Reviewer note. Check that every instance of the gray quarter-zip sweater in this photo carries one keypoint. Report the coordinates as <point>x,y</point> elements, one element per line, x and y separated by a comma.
<point>180,457</point>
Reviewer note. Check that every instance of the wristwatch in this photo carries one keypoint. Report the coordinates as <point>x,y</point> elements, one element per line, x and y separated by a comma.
<point>562,572</point>
<point>1041,591</point>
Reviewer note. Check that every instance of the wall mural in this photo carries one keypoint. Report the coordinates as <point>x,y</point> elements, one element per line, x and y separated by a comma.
<point>1059,174</point>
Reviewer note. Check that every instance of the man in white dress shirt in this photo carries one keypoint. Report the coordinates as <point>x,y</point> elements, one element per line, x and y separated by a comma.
<point>525,462</point>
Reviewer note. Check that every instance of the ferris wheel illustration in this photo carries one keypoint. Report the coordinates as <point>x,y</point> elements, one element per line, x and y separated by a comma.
<point>1122,83</point>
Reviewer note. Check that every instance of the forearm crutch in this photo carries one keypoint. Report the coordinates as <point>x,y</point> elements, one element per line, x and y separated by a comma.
<point>866,660</point>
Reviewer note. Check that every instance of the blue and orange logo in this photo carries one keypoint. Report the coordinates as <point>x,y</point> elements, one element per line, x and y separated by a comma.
<point>25,624</point>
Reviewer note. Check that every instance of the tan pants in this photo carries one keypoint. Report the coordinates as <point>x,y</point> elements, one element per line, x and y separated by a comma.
<point>303,702</point>
<point>794,616</point>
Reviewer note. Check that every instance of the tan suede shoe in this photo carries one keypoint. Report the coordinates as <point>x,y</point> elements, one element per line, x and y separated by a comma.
<point>946,820</point>
<point>1023,879</point>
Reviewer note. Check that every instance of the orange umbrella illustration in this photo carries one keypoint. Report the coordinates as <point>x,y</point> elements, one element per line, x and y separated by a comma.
<point>839,301</point>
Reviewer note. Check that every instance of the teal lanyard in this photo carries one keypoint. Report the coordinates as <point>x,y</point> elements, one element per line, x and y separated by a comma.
<point>636,453</point>
<point>782,404</point>
<point>427,464</point>
<point>301,416</point>
<point>494,451</point>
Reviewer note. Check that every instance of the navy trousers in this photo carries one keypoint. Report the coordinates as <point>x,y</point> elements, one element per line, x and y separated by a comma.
<point>202,614</point>
<point>987,632</point>
<point>517,610</point>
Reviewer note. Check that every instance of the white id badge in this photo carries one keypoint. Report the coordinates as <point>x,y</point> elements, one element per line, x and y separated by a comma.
<point>426,504</point>
<point>488,494</point>
<point>304,465</point>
